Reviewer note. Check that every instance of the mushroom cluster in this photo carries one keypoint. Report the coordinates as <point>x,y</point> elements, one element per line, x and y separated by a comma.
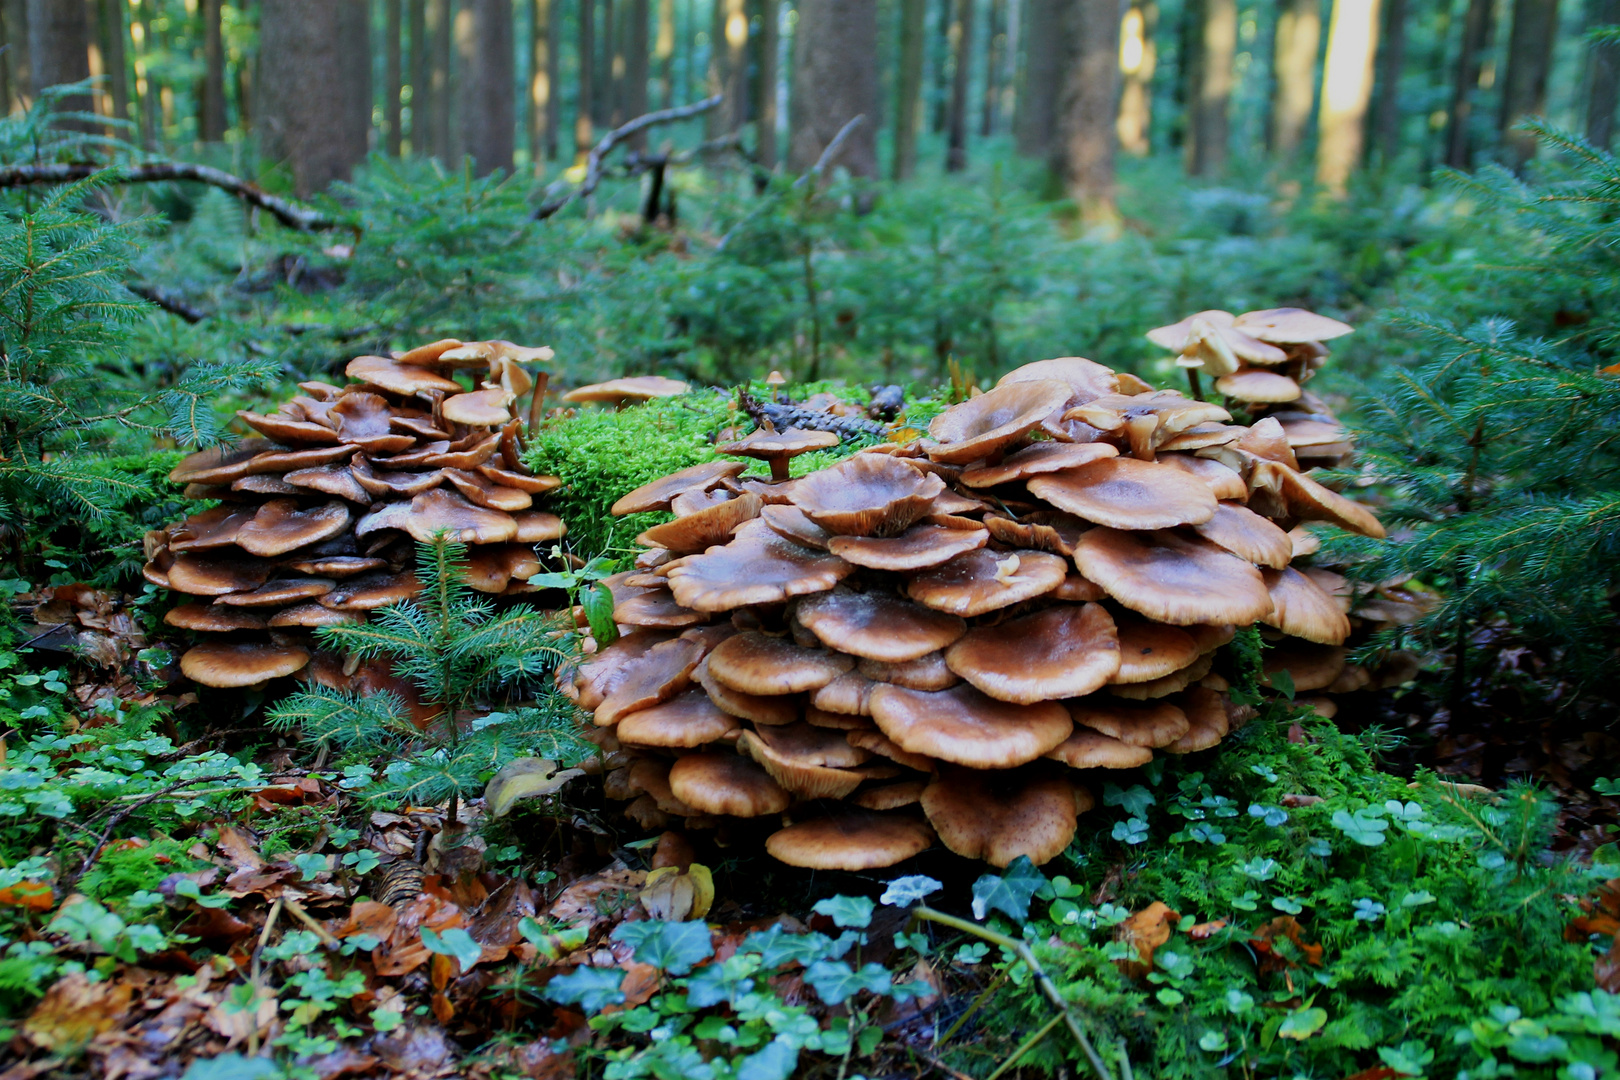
<point>944,638</point>
<point>318,514</point>
<point>1262,359</point>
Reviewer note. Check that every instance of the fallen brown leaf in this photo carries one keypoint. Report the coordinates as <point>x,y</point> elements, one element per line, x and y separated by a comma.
<point>75,1010</point>
<point>1145,931</point>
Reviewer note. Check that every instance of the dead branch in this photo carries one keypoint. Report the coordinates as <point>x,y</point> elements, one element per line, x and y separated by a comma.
<point>830,154</point>
<point>285,211</point>
<point>169,302</point>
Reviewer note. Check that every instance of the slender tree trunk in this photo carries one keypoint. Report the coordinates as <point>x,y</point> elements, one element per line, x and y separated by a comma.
<point>1347,78</point>
<point>1085,151</point>
<point>770,43</point>
<point>994,33</point>
<point>664,53</point>
<point>115,35</point>
<point>834,80</point>
<point>1476,35</point>
<point>584,129</point>
<point>146,85</point>
<point>1529,62</point>
<point>1603,76</point>
<point>8,79</point>
<point>59,50</point>
<point>1391,65</point>
<point>1138,56</point>
<point>619,63</point>
<point>728,66</point>
<point>438,81</point>
<point>1299,36</point>
<point>211,107</point>
<point>247,80</point>
<point>605,82</point>
<point>913,19</point>
<point>942,66</point>
<point>1043,61</point>
<point>19,73</point>
<point>354,30</point>
<point>393,75</point>
<point>419,67</point>
<point>485,105</point>
<point>1210,127</point>
<point>1011,53</point>
<point>956,157</point>
<point>637,55</point>
<point>305,114</point>
<point>540,86</point>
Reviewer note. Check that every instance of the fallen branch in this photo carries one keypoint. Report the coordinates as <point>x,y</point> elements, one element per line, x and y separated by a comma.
<point>593,161</point>
<point>834,148</point>
<point>285,211</point>
<point>169,302</point>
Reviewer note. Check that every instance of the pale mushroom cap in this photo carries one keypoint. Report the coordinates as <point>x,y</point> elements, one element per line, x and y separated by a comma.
<point>980,581</point>
<point>754,569</point>
<point>1088,749</point>
<point>1291,326</point>
<point>1124,493</point>
<point>633,388</point>
<point>1150,650</point>
<point>858,841</point>
<point>685,721</point>
<point>1173,579</point>
<point>866,495</point>
<point>1087,379</point>
<point>1252,384</point>
<point>1174,336</point>
<point>481,408</point>
<point>1266,438</point>
<point>705,528</point>
<point>1057,653</point>
<point>1247,535</point>
<point>1042,457</point>
<point>1224,483</point>
<point>918,548</point>
<point>758,664</point>
<point>1304,610</point>
<point>221,665</point>
<point>280,526</point>
<point>1152,724</point>
<point>997,817</point>
<point>427,354</point>
<point>964,726</point>
<point>726,784</point>
<point>658,494</point>
<point>994,420</point>
<point>398,378</point>
<point>877,625</point>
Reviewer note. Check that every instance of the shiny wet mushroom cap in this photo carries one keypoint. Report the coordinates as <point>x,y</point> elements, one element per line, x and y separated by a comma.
<point>227,665</point>
<point>685,721</point>
<point>1124,493</point>
<point>1247,535</point>
<point>757,567</point>
<point>1172,578</point>
<point>1036,460</point>
<point>988,424</point>
<point>756,663</point>
<point>980,581</point>
<point>966,727</point>
<point>399,378</point>
<point>851,841</point>
<point>438,510</point>
<point>867,495</point>
<point>481,408</point>
<point>918,548</point>
<point>1088,749</point>
<point>878,625</point>
<point>1152,724</point>
<point>1061,652</point>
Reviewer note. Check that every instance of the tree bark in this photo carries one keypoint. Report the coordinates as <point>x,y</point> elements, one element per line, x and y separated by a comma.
<point>1391,65</point>
<point>1085,153</point>
<point>604,83</point>
<point>637,55</point>
<point>354,31</point>
<point>59,50</point>
<point>419,68</point>
<point>146,85</point>
<point>1299,36</point>
<point>942,67</point>
<point>618,60</point>
<point>485,109</point>
<point>664,53</point>
<point>393,76</point>
<point>1347,77</point>
<point>542,138</point>
<point>913,19</point>
<point>584,129</point>
<point>211,107</point>
<point>728,66</point>
<point>19,76</point>
<point>956,158</point>
<point>765,113</point>
<point>305,118</point>
<point>834,80</point>
<point>1038,102</point>
<point>438,86</point>
<point>1603,76</point>
<point>1476,35</point>
<point>115,36</point>
<point>1209,129</point>
<point>1138,56</point>
<point>1529,62</point>
<point>995,29</point>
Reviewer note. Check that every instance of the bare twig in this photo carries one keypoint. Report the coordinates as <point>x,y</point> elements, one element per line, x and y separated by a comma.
<point>834,148</point>
<point>122,813</point>
<point>593,161</point>
<point>169,302</point>
<point>308,920</point>
<point>1026,1046</point>
<point>286,211</point>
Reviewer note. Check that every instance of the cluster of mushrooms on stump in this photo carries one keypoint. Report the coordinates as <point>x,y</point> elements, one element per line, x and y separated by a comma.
<point>318,519</point>
<point>946,639</point>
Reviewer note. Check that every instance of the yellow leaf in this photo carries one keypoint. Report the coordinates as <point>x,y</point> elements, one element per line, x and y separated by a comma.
<point>524,778</point>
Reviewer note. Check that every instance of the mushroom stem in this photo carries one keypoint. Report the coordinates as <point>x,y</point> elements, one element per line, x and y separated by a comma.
<point>537,402</point>
<point>1194,385</point>
<point>779,470</point>
<point>1022,951</point>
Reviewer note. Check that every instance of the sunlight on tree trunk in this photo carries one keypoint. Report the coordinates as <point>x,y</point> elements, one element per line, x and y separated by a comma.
<point>542,122</point>
<point>913,19</point>
<point>664,53</point>
<point>417,19</point>
<point>765,112</point>
<point>1476,35</point>
<point>307,117</point>
<point>438,17</point>
<point>636,57</point>
<point>1603,76</point>
<point>1138,56</point>
<point>962,52</point>
<point>59,48</point>
<point>1209,125</point>
<point>1529,63</point>
<point>1299,36</point>
<point>1089,107</point>
<point>1347,76</point>
<point>115,37</point>
<point>834,79</point>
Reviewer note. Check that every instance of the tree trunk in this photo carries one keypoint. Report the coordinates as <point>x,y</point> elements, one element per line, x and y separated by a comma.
<point>1347,78</point>
<point>1038,103</point>
<point>59,50</point>
<point>1085,150</point>
<point>1391,65</point>
<point>438,81</point>
<point>995,36</point>
<point>419,67</point>
<point>1138,56</point>
<point>354,32</point>
<point>305,88</point>
<point>770,42</point>
<point>834,80</point>
<point>1299,36</point>
<point>485,109</point>
<point>1212,88</point>
<point>146,85</point>
<point>115,36</point>
<point>1476,35</point>
<point>635,71</point>
<point>1529,61</point>
<point>618,60</point>
<point>1603,76</point>
<point>584,129</point>
<point>605,82</point>
<point>393,75</point>
<point>728,66</point>
<point>19,76</point>
<point>542,140</point>
<point>942,66</point>
<point>211,106</point>
<point>913,20</point>
<point>956,158</point>
<point>664,53</point>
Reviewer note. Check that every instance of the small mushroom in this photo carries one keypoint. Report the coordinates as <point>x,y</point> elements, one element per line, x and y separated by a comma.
<point>966,727</point>
<point>777,448</point>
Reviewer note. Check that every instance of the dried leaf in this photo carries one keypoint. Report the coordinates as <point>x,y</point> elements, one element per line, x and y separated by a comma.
<point>524,778</point>
<point>30,895</point>
<point>1205,930</point>
<point>75,1010</point>
<point>1144,932</point>
<point>675,896</point>
<point>1285,926</point>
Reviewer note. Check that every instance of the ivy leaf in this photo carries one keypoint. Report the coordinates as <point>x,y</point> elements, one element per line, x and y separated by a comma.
<point>835,981</point>
<point>455,943</point>
<point>1135,799</point>
<point>846,911</point>
<point>675,947</point>
<point>776,1061</point>
<point>592,989</point>
<point>777,947</point>
<point>905,891</point>
<point>1302,1024</point>
<point>1010,893</point>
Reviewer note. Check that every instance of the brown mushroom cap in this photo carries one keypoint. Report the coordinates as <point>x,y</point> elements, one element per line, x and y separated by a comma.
<point>222,665</point>
<point>657,675</point>
<point>1303,609</point>
<point>1173,579</point>
<point>481,408</point>
<point>658,494</point>
<point>490,567</point>
<point>791,523</point>
<point>331,480</point>
<point>282,591</point>
<point>280,526</point>
<point>216,528</point>
<point>1247,535</point>
<point>760,708</point>
<point>1253,384</point>
<point>600,672</point>
<point>397,377</point>
<point>1124,493</point>
<point>1153,724</point>
<point>924,673</point>
<point>727,784</point>
<point>285,429</point>
<point>428,354</point>
<point>757,567</point>
<point>1290,326</point>
<point>218,464</point>
<point>1310,666</point>
<point>480,490</point>
<point>706,528</point>
<point>877,625</point>
<point>779,447</point>
<point>465,454</point>
<point>1151,650</point>
<point>1088,749</point>
<point>534,485</point>
<point>371,591</point>
<point>810,762</point>
<point>1087,379</point>
<point>850,841</point>
<point>620,391</point>
<point>1043,530</point>
<point>314,615</point>
<point>1207,721</point>
<point>438,509</point>
<point>1224,483</point>
<point>979,581</point>
<point>867,495</point>
<point>656,608</point>
<point>1266,438</point>
<point>212,617</point>
<point>998,816</point>
<point>918,548</point>
<point>1310,501</point>
<point>850,695</point>
<point>758,664</point>
<point>1057,653</point>
<point>264,484</point>
<point>964,726</point>
<point>204,575</point>
<point>384,484</point>
<point>687,720</point>
<point>890,796</point>
<point>989,423</point>
<point>1042,457</point>
<point>879,743</point>
<point>1166,685</point>
<point>537,526</point>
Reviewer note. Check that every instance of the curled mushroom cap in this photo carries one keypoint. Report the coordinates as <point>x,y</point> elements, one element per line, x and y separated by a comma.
<point>481,408</point>
<point>1057,653</point>
<point>1207,721</point>
<point>964,726</point>
<point>1088,749</point>
<point>757,567</point>
<point>1290,326</point>
<point>428,354</point>
<point>989,423</point>
<point>216,528</point>
<point>1247,535</point>
<point>1310,501</point>
<point>1303,609</point>
<point>1124,493</point>
<point>329,479</point>
<point>280,526</point>
<point>658,494</point>
<point>877,625</point>
<point>480,490</point>
<point>867,495</point>
<point>659,674</point>
<point>918,548</point>
<point>222,665</point>
<point>777,448</point>
<point>705,528</point>
<point>685,721</point>
<point>1042,457</point>
<point>1087,379</point>
<point>980,581</point>
<point>760,708</point>
<point>756,663</point>
<point>286,429</point>
<point>1252,384</point>
<point>218,464</point>
<point>728,784</point>
<point>1224,482</point>
<point>998,816</point>
<point>1173,579</point>
<point>851,841</point>
<point>399,378</point>
<point>1042,530</point>
<point>205,575</point>
<point>635,388</point>
<point>791,523</point>
<point>281,591</point>
<point>810,762</point>
<point>1148,420</point>
<point>1153,724</point>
